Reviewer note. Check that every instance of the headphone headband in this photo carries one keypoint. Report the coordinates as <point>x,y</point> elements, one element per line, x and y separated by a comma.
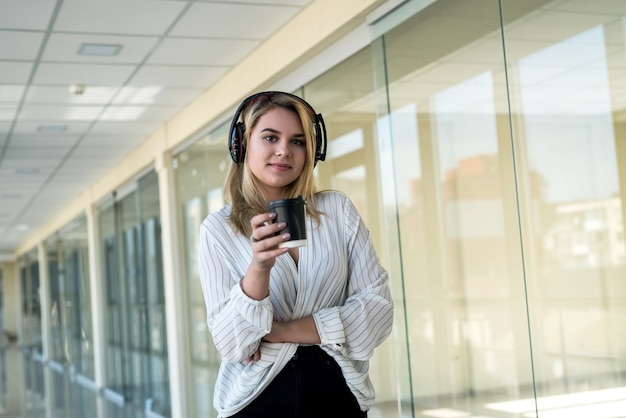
<point>237,128</point>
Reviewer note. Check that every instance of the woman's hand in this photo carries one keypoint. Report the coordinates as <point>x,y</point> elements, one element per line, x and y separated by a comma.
<point>264,241</point>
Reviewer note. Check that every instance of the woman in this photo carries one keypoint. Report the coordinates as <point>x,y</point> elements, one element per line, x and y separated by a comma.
<point>295,326</point>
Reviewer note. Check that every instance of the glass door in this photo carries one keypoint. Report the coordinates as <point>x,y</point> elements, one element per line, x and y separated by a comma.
<point>137,351</point>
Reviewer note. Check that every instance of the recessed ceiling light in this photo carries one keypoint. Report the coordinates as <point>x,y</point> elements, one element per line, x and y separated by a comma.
<point>51,128</point>
<point>99,49</point>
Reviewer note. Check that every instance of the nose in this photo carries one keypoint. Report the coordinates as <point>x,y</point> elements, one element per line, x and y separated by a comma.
<point>282,148</point>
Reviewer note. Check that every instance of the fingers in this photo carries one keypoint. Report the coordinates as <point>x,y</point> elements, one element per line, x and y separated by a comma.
<point>263,229</point>
<point>256,356</point>
<point>264,240</point>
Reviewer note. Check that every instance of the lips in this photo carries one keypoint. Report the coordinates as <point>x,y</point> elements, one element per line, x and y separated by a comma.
<point>281,167</point>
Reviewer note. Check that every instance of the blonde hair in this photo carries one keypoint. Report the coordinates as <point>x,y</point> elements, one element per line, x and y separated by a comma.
<point>242,189</point>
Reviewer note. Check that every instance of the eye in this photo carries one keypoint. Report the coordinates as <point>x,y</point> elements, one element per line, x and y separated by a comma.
<point>270,138</point>
<point>298,142</point>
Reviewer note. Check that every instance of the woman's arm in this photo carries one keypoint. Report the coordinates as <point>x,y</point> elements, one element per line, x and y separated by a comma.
<point>301,331</point>
<point>239,311</point>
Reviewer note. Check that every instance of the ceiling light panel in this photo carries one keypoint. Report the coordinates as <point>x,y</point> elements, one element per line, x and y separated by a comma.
<point>66,47</point>
<point>29,140</point>
<point>99,50</point>
<point>57,129</point>
<point>30,127</point>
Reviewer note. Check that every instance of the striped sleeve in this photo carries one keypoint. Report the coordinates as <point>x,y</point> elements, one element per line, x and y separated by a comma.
<point>365,320</point>
<point>236,321</point>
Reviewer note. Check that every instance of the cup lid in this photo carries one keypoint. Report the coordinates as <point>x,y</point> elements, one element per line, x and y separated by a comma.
<point>286,202</point>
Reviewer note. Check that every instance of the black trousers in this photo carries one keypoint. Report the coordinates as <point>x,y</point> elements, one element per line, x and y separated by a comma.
<point>310,386</point>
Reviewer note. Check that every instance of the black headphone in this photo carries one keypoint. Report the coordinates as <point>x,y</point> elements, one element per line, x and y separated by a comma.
<point>237,129</point>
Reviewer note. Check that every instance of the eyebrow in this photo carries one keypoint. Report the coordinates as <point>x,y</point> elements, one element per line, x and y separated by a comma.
<point>277,132</point>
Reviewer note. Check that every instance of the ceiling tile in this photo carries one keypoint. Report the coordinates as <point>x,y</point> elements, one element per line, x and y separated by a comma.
<point>155,95</point>
<point>24,184</point>
<point>18,14</point>
<point>16,45</point>
<point>64,47</point>
<point>7,112</point>
<point>61,95</point>
<point>71,128</point>
<point>136,17</point>
<point>63,113</point>
<point>177,77</point>
<point>42,163</point>
<point>123,113</point>
<point>89,74</point>
<point>14,72</point>
<point>213,52</point>
<point>236,21</point>
<point>11,94</point>
<point>23,151</point>
<point>139,113</point>
<point>132,129</point>
<point>32,140</point>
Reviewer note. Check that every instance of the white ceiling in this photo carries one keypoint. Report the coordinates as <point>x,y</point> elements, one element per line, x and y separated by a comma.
<point>54,144</point>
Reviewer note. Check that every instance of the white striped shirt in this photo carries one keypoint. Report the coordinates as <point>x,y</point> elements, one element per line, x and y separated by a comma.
<point>338,280</point>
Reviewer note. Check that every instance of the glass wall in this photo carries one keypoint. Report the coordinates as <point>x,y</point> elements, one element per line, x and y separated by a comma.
<point>344,96</point>
<point>32,343</point>
<point>70,303</point>
<point>484,143</point>
<point>3,344</point>
<point>503,128</point>
<point>31,302</point>
<point>200,174</point>
<point>136,352</point>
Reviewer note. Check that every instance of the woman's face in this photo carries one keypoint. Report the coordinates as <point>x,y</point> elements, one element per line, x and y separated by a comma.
<point>276,150</point>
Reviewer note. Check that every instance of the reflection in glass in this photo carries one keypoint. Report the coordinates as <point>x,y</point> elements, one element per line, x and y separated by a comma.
<point>506,184</point>
<point>70,300</point>
<point>137,367</point>
<point>200,174</point>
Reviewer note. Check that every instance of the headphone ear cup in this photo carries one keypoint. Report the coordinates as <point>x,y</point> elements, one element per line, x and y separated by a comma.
<point>320,139</point>
<point>236,147</point>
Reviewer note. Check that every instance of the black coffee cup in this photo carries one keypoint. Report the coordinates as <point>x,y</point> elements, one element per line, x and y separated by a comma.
<point>292,212</point>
